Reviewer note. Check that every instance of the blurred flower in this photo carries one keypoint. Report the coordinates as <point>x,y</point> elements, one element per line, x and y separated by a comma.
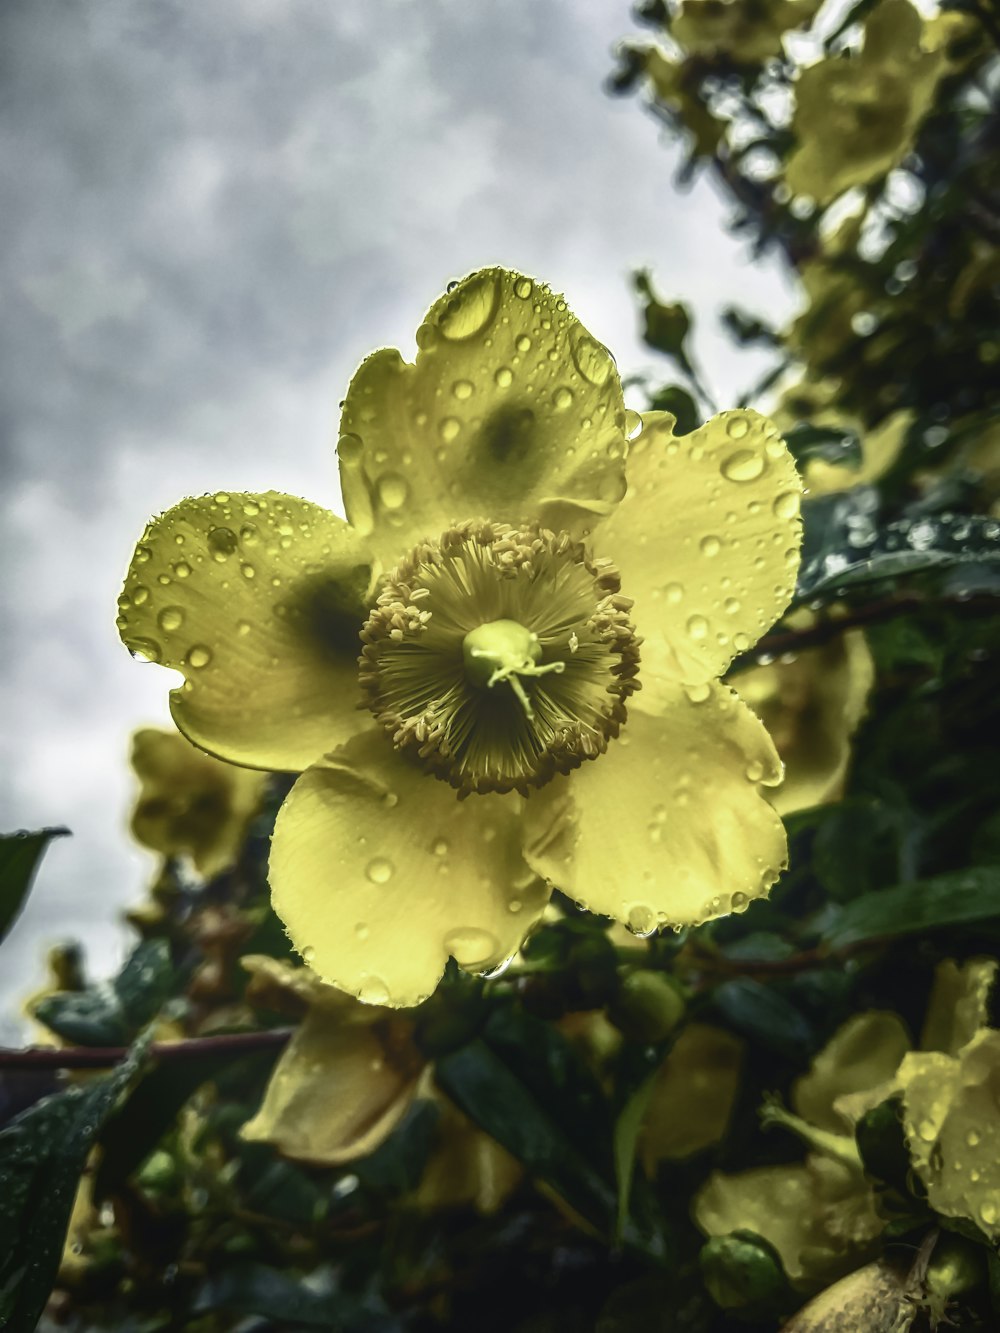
<point>346,1080</point>
<point>497,652</point>
<point>748,32</point>
<point>673,87</point>
<point>820,1215</point>
<point>693,1095</point>
<point>856,114</point>
<point>812,705</point>
<point>189,803</point>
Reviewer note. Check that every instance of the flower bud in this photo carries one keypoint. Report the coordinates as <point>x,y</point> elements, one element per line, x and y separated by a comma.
<point>648,1006</point>
<point>742,1271</point>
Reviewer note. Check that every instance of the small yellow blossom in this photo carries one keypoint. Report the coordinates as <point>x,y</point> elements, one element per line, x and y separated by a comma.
<point>856,114</point>
<point>519,558</point>
<point>820,1215</point>
<point>189,803</point>
<point>693,1095</point>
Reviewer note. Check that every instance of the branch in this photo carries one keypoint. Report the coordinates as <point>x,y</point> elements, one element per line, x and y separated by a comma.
<point>777,644</point>
<point>103,1057</point>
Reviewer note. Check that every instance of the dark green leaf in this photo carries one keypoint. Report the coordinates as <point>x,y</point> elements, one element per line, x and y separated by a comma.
<point>947,900</point>
<point>830,443</point>
<point>20,854</point>
<point>764,1015</point>
<point>42,1156</point>
<point>678,402</point>
<point>111,1014</point>
<point>291,1301</point>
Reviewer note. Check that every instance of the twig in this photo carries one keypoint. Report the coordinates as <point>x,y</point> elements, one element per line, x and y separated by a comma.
<point>778,644</point>
<point>103,1057</point>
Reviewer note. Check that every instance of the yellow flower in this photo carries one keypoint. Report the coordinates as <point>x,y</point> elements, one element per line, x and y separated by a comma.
<point>190,803</point>
<point>501,560</point>
<point>820,1215</point>
<point>345,1081</point>
<point>812,706</point>
<point>747,31</point>
<point>856,114</point>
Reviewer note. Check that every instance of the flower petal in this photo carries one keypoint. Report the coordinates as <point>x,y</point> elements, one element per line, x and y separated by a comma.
<point>510,404</point>
<point>379,872</point>
<point>337,1092</point>
<point>669,827</point>
<point>693,1096</point>
<point>706,539</point>
<point>959,1005</point>
<point>258,600</point>
<point>862,1054</point>
<point>812,706</point>
<point>189,802</point>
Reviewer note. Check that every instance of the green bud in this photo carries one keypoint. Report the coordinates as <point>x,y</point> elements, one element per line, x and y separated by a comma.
<point>742,1271</point>
<point>648,1006</point>
<point>158,1173</point>
<point>882,1144</point>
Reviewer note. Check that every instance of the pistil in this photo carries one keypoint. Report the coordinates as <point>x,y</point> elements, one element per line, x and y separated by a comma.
<point>502,651</point>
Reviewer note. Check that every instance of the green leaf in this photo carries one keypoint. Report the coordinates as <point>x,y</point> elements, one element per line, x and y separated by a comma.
<point>854,552</point>
<point>830,443</point>
<point>291,1301</point>
<point>20,854</point>
<point>765,1016</point>
<point>110,1014</point>
<point>522,1083</point>
<point>947,900</point>
<point>42,1155</point>
<point>626,1138</point>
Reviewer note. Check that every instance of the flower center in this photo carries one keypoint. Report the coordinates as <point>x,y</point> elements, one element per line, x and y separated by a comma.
<point>500,656</point>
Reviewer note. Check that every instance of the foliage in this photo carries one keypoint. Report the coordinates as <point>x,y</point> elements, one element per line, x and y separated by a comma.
<point>785,1113</point>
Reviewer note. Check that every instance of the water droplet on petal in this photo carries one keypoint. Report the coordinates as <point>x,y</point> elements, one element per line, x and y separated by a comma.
<point>739,902</point>
<point>449,429</point>
<point>522,288</point>
<point>198,656</point>
<point>562,398</point>
<point>463,389</point>
<point>393,490</point>
<point>754,770</point>
<point>697,627</point>
<point>786,505</point>
<point>470,308</point>
<point>182,569</point>
<point>710,546</point>
<point>737,426</point>
<point>170,618</point>
<point>350,449</point>
<point>471,946</point>
<point>744,465</point>
<point>145,650</point>
<point>221,497</point>
<point>426,336</point>
<point>380,870</point>
<point>504,377</point>
<point>673,592</point>
<point>222,542</point>
<point>927,1131</point>
<point>440,847</point>
<point>641,920</point>
<point>140,595</point>
<point>373,990</point>
<point>522,342</point>
<point>591,358</point>
<point>248,571</point>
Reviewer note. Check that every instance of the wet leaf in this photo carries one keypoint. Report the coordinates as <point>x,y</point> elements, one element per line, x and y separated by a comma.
<point>948,900</point>
<point>20,854</point>
<point>110,1014</point>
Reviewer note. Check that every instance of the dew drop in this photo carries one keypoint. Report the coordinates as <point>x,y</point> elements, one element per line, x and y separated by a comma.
<point>380,871</point>
<point>440,847</point>
<point>170,618</point>
<point>182,569</point>
<point>698,694</point>
<point>710,546</point>
<point>743,465</point>
<point>426,336</point>
<point>350,449</point>
<point>674,592</point>
<point>737,426</point>
<point>470,308</point>
<point>972,1138</point>
<point>145,650</point>
<point>221,497</point>
<point>392,490</point>
<point>739,902</point>
<point>463,390</point>
<point>243,628</point>
<point>198,656</point>
<point>472,947</point>
<point>248,571</point>
<point>522,342</point>
<point>222,542</point>
<point>927,1131</point>
<point>390,799</point>
<point>140,595</point>
<point>562,398</point>
<point>373,990</point>
<point>504,377</point>
<point>754,770</point>
<point>449,429</point>
<point>732,606</point>
<point>989,1212</point>
<point>142,555</point>
<point>697,627</point>
<point>522,288</point>
<point>641,920</point>
<point>591,358</point>
<point>786,505</point>
<point>251,508</point>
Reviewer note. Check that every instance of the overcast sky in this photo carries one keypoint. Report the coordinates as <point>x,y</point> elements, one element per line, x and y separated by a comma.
<point>212,211</point>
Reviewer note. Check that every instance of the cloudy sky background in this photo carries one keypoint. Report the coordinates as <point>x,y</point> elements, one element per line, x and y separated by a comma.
<point>212,212</point>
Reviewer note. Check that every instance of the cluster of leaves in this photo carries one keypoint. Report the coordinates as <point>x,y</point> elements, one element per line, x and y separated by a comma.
<point>563,1121</point>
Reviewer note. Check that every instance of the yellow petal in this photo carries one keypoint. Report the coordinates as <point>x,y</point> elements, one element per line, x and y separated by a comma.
<point>880,447</point>
<point>693,1095</point>
<point>669,827</point>
<point>862,1054</point>
<point>190,803</point>
<point>258,600</point>
<point>811,707</point>
<point>379,872</point>
<point>749,33</point>
<point>707,541</point>
<point>959,1004</point>
<point>952,1123</point>
<point>510,404</point>
<point>818,1216</point>
<point>337,1091</point>
<point>467,1167</point>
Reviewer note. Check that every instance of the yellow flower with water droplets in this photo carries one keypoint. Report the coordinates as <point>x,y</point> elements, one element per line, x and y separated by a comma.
<point>856,114</point>
<point>189,803</point>
<point>512,569</point>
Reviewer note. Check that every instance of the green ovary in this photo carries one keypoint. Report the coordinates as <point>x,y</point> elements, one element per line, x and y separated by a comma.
<point>501,651</point>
